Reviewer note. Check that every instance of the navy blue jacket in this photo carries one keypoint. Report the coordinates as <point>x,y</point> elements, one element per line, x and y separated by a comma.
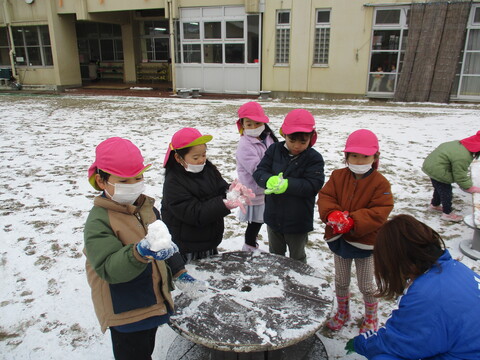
<point>292,211</point>
<point>438,317</point>
<point>193,207</point>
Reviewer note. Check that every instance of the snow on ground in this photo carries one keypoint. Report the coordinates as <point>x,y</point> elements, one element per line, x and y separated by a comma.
<point>48,144</point>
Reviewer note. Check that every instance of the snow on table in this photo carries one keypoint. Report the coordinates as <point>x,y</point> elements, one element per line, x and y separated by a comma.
<point>253,302</point>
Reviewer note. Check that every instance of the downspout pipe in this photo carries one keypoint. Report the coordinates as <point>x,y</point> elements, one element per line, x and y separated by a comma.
<point>172,45</point>
<point>11,53</point>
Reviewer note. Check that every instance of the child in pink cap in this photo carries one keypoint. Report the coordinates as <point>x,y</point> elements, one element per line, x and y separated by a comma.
<point>291,172</point>
<point>449,164</point>
<point>194,201</point>
<point>354,203</point>
<point>255,138</point>
<point>128,275</point>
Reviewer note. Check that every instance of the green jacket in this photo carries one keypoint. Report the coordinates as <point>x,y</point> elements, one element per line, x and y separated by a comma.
<point>449,163</point>
<point>125,287</point>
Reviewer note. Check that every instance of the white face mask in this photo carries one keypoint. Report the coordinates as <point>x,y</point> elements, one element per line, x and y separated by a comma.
<point>127,193</point>
<point>360,169</point>
<point>254,132</point>
<point>194,168</point>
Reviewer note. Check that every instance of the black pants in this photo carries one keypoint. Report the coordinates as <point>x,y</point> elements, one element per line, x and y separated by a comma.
<point>442,194</point>
<point>137,345</point>
<point>251,233</point>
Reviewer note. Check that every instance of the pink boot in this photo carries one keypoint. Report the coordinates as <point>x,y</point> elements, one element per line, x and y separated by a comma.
<point>370,321</point>
<point>342,315</point>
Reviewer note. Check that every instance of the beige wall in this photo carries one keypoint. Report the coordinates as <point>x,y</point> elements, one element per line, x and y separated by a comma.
<point>347,68</point>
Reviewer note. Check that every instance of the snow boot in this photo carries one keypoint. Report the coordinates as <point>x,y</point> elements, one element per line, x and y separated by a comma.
<point>370,321</point>
<point>342,315</point>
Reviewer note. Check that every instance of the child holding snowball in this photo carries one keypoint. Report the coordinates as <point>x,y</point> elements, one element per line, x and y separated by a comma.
<point>291,172</point>
<point>354,203</point>
<point>126,249</point>
<point>255,139</point>
<point>195,199</point>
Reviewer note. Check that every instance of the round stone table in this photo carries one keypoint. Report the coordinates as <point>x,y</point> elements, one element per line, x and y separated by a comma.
<point>253,303</point>
<point>471,247</point>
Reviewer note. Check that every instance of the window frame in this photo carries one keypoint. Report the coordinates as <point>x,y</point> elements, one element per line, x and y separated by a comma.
<point>392,51</point>
<point>227,45</point>
<point>282,38</point>
<point>319,45</point>
<point>4,47</point>
<point>92,40</point>
<point>44,49</point>
<point>149,41</point>
<point>457,91</point>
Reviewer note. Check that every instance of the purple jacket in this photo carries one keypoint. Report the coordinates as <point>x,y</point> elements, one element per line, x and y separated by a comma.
<point>250,151</point>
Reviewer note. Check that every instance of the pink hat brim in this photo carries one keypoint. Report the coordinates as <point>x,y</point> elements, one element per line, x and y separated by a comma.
<point>92,171</point>
<point>198,141</point>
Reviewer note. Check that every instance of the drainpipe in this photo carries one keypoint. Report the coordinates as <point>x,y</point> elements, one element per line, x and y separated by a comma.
<point>172,44</point>
<point>8,21</point>
<point>261,6</point>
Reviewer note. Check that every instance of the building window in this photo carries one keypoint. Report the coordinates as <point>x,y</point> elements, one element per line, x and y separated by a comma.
<point>322,37</point>
<point>282,37</point>
<point>468,80</point>
<point>389,38</point>
<point>219,38</point>
<point>99,42</point>
<point>154,35</point>
<point>32,45</point>
<point>4,47</point>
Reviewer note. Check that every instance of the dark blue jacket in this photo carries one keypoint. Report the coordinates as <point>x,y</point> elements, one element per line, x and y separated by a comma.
<point>438,317</point>
<point>292,211</point>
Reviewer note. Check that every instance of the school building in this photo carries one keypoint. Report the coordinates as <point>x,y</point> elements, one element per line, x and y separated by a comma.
<point>404,50</point>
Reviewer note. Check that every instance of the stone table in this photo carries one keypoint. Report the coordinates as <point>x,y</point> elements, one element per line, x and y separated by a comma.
<point>254,303</point>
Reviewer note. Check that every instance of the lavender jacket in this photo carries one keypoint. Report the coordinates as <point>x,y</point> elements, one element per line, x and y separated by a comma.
<point>250,151</point>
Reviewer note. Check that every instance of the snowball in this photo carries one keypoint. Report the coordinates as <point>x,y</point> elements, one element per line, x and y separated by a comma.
<point>158,236</point>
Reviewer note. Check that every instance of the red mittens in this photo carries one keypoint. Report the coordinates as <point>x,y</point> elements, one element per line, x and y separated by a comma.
<point>340,222</point>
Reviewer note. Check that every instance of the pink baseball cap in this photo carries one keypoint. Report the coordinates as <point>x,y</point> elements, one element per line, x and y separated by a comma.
<point>299,120</point>
<point>183,138</point>
<point>119,157</point>
<point>253,111</point>
<point>472,143</point>
<point>363,142</point>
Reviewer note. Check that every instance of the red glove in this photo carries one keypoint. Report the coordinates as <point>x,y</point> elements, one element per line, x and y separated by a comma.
<point>340,222</point>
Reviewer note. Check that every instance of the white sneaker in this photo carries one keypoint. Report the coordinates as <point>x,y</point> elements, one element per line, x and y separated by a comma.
<point>250,248</point>
<point>452,217</point>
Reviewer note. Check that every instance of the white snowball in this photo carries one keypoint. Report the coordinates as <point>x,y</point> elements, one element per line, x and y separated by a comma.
<point>158,236</point>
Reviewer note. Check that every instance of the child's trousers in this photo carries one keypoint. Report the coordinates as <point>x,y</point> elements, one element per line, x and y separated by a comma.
<point>442,194</point>
<point>278,243</point>
<point>137,345</point>
<point>364,267</point>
